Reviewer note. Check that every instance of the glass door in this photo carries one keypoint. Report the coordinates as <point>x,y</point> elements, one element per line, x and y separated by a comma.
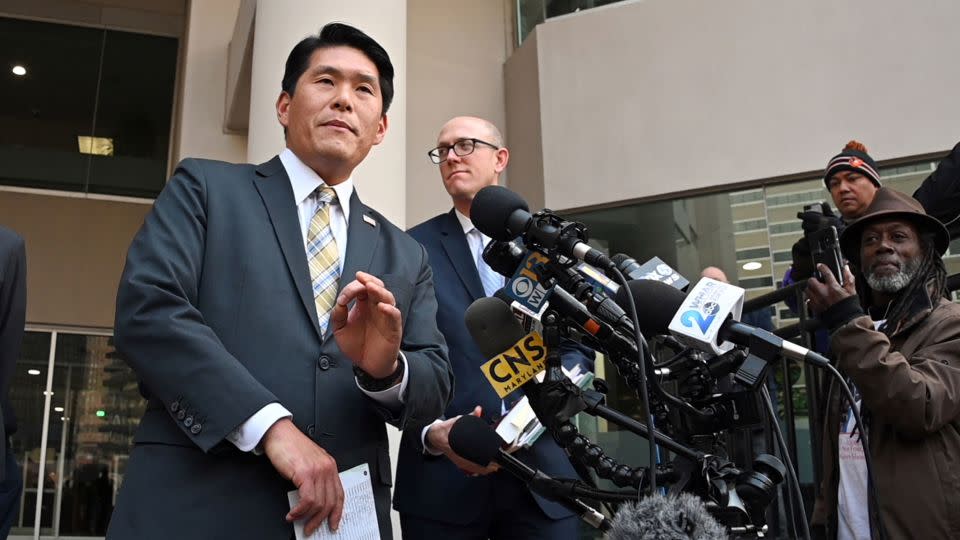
<point>78,405</point>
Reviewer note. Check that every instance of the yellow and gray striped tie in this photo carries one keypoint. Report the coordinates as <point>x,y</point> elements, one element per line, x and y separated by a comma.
<point>323,257</point>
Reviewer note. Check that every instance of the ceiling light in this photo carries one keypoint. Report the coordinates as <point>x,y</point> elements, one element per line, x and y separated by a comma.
<point>97,146</point>
<point>752,265</point>
<point>19,71</point>
<point>33,372</point>
<point>58,409</point>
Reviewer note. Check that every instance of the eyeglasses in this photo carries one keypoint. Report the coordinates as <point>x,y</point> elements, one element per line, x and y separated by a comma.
<point>463,147</point>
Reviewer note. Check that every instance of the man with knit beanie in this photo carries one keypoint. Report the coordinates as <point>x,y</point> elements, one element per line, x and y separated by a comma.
<point>852,179</point>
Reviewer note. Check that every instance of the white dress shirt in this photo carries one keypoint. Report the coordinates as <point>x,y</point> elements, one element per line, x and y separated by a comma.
<point>305,182</point>
<point>476,242</point>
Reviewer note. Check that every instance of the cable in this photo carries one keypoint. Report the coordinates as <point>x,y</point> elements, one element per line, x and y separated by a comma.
<point>871,482</point>
<point>791,472</point>
<point>641,359</point>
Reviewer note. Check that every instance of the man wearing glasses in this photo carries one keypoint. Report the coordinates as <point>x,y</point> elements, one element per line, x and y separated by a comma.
<point>438,493</point>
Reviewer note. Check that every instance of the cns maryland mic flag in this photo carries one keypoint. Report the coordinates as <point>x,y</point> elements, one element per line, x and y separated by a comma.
<point>512,368</point>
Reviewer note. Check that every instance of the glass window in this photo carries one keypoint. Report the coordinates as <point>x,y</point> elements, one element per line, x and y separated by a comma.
<point>27,397</point>
<point>92,406</point>
<point>782,256</point>
<point>530,13</point>
<point>710,230</point>
<point>90,110</point>
<point>749,225</point>
<point>752,253</point>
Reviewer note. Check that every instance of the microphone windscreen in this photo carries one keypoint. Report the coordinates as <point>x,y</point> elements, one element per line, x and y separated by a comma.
<point>656,304</point>
<point>492,325</point>
<point>680,517</point>
<point>491,210</point>
<point>504,296</point>
<point>472,439</point>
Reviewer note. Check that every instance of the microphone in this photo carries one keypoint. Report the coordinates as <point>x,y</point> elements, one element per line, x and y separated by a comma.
<point>654,269</point>
<point>530,271</point>
<point>503,215</point>
<point>528,319</point>
<point>679,517</point>
<point>472,439</point>
<point>668,308</point>
<point>515,356</point>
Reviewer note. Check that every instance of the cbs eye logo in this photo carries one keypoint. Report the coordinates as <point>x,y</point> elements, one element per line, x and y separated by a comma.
<point>523,287</point>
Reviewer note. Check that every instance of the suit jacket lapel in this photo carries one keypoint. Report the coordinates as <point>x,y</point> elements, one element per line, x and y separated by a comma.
<point>458,251</point>
<point>363,233</point>
<point>274,186</point>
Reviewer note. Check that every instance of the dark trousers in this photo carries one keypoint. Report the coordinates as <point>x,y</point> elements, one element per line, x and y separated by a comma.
<point>10,490</point>
<point>511,514</point>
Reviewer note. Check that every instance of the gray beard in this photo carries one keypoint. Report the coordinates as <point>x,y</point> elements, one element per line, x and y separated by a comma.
<point>895,282</point>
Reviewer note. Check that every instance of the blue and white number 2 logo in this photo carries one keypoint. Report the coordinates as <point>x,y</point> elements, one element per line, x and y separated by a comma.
<point>689,317</point>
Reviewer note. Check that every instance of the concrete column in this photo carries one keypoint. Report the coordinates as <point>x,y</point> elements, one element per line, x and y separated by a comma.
<point>200,127</point>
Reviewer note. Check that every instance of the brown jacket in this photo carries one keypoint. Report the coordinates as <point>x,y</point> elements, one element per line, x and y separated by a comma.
<point>910,384</point>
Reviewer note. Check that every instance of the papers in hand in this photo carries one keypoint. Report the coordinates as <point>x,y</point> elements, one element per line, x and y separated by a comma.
<point>520,428</point>
<point>359,520</point>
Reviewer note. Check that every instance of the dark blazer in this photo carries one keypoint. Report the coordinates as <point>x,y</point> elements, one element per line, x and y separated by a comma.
<point>433,487</point>
<point>13,308</point>
<point>215,314</point>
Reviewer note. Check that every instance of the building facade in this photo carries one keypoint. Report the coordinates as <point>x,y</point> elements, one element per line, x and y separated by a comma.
<point>680,129</point>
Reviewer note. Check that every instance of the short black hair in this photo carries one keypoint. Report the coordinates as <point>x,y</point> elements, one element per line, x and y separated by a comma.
<point>339,35</point>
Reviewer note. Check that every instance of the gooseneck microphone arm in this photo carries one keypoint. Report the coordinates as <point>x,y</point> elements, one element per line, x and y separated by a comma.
<point>475,441</point>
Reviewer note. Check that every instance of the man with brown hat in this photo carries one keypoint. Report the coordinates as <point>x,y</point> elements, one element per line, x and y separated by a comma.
<point>896,337</point>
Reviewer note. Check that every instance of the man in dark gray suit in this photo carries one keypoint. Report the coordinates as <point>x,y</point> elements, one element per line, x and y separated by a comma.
<point>13,308</point>
<point>269,352</point>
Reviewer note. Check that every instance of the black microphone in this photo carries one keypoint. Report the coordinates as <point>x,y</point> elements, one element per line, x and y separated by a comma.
<point>492,325</point>
<point>503,215</point>
<point>654,269</point>
<point>680,517</point>
<point>504,257</point>
<point>663,301</point>
<point>472,439</point>
<point>514,356</point>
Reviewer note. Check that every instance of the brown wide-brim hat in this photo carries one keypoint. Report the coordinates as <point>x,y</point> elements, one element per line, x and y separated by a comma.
<point>891,204</point>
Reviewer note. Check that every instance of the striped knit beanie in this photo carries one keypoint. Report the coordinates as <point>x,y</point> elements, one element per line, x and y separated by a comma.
<point>854,157</point>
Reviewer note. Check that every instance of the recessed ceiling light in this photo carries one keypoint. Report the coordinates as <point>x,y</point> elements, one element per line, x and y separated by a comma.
<point>19,71</point>
<point>33,372</point>
<point>98,146</point>
<point>58,409</point>
<point>752,265</point>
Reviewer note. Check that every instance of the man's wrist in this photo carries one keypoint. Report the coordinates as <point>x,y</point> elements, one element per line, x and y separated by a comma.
<point>376,384</point>
<point>841,313</point>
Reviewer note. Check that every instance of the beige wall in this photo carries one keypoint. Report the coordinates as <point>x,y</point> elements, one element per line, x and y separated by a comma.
<point>646,98</point>
<point>523,110</point>
<point>455,55</point>
<point>75,253</point>
<point>203,84</point>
